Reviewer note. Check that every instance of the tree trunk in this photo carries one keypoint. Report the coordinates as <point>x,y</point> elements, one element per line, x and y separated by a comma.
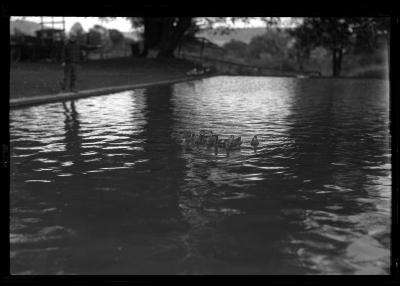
<point>337,56</point>
<point>152,33</point>
<point>300,62</point>
<point>164,34</point>
<point>172,35</point>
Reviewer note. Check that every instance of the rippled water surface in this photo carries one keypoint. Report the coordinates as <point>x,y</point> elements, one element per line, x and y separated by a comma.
<point>103,185</point>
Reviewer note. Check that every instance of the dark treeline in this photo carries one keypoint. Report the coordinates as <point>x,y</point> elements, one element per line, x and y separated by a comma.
<point>280,49</point>
<point>308,45</point>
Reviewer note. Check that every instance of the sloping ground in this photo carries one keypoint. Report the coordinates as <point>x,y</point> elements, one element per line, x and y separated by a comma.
<point>32,79</point>
<point>372,71</point>
<point>243,35</point>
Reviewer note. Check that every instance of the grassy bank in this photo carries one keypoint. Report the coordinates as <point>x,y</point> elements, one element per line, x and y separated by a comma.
<point>39,78</point>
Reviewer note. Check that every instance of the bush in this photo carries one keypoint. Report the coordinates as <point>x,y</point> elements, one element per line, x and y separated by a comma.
<point>236,48</point>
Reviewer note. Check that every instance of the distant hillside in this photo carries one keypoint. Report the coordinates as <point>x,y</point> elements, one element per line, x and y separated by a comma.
<point>133,36</point>
<point>26,27</point>
<point>243,34</point>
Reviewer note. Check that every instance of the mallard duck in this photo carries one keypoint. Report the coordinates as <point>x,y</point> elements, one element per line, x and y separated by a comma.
<point>204,135</point>
<point>197,139</point>
<point>237,142</point>
<point>212,140</point>
<point>254,142</point>
<point>221,143</point>
<point>187,135</point>
<point>231,143</point>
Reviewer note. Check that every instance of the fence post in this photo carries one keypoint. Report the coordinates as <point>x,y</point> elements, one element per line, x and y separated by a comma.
<point>202,50</point>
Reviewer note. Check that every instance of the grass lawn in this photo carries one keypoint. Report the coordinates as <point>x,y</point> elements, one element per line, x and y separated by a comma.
<point>39,78</point>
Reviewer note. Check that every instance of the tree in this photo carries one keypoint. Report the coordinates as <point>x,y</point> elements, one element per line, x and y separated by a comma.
<point>237,48</point>
<point>116,36</point>
<point>303,44</point>
<point>78,31</point>
<point>101,36</point>
<point>165,33</point>
<point>338,35</point>
<point>94,37</point>
<point>274,42</point>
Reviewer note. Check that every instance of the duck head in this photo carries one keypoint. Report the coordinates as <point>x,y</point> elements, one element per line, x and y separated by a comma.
<point>254,141</point>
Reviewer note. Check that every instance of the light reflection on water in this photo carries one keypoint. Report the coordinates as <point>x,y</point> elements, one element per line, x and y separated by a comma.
<point>102,185</point>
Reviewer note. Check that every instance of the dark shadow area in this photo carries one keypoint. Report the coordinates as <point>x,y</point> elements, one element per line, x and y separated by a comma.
<point>337,153</point>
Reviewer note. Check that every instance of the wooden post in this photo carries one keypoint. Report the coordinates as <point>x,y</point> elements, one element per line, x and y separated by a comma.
<point>202,50</point>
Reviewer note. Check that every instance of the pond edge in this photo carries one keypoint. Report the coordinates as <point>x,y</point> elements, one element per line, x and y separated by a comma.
<point>43,99</point>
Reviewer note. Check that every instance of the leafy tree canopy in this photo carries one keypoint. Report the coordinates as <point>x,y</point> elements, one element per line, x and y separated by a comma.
<point>339,35</point>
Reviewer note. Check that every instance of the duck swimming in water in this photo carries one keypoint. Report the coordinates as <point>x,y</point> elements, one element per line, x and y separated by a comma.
<point>206,132</point>
<point>231,143</point>
<point>209,139</point>
<point>212,140</point>
<point>221,143</point>
<point>204,136</point>
<point>254,142</point>
<point>237,142</point>
<point>197,139</point>
<point>187,135</point>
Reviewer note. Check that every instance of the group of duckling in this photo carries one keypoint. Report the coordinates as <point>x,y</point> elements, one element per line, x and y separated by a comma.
<point>209,139</point>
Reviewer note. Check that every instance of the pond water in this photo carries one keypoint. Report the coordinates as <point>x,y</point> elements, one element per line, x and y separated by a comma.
<point>103,185</point>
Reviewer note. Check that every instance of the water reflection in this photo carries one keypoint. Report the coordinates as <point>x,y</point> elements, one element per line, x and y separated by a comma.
<point>72,142</point>
<point>164,170</point>
<point>103,185</point>
<point>235,226</point>
<point>330,184</point>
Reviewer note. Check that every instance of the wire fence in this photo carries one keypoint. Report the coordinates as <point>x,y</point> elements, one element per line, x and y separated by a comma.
<point>233,68</point>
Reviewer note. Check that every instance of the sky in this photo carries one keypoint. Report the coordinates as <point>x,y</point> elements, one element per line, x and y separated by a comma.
<point>120,23</point>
